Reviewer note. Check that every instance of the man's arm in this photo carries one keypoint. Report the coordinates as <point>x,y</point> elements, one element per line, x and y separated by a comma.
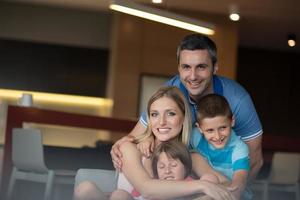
<point>138,129</point>
<point>115,150</point>
<point>256,159</point>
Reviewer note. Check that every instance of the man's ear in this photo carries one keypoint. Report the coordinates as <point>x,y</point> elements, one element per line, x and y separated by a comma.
<point>216,67</point>
<point>232,121</point>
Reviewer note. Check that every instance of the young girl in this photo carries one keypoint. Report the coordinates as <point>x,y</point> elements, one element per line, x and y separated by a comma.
<point>171,160</point>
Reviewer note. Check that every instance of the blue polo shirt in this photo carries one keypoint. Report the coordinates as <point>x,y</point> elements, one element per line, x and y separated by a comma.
<point>247,124</point>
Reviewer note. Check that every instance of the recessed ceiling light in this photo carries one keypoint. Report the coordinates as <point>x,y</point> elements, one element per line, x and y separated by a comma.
<point>291,40</point>
<point>234,13</point>
<point>157,1</point>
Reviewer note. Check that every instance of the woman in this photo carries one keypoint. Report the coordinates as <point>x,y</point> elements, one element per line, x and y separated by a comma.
<point>169,119</point>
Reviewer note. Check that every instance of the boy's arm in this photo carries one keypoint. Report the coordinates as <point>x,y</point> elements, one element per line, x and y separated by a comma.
<point>201,166</point>
<point>239,181</point>
<point>241,168</point>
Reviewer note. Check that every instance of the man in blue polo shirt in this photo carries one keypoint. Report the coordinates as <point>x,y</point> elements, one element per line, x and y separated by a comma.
<point>197,67</point>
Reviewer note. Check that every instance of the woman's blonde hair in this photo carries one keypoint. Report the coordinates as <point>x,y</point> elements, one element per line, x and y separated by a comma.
<point>177,96</point>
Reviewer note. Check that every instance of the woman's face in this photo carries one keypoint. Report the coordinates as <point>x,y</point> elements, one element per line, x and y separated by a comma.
<point>166,119</point>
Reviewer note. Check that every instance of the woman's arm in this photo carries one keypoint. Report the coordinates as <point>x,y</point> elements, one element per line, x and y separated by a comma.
<point>162,189</point>
<point>200,167</point>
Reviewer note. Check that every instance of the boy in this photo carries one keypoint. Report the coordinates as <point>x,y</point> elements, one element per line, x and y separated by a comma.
<point>218,143</point>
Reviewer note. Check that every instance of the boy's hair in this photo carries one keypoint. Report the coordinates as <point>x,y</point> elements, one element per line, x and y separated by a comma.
<point>175,150</point>
<point>213,105</point>
<point>197,41</point>
<point>177,96</point>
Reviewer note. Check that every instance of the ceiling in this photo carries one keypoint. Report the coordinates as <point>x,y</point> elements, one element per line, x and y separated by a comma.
<point>263,24</point>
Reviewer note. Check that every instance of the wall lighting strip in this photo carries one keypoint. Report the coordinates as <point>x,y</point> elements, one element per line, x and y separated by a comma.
<point>161,16</point>
<point>57,98</point>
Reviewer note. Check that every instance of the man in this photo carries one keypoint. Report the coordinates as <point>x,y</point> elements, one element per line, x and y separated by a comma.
<point>197,67</point>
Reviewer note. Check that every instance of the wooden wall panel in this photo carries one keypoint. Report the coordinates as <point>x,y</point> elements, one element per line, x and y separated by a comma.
<point>142,46</point>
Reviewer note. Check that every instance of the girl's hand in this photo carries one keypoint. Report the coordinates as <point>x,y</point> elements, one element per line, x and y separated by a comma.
<point>146,147</point>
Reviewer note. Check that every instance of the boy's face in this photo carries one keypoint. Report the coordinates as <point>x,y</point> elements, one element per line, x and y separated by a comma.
<point>216,130</point>
<point>169,168</point>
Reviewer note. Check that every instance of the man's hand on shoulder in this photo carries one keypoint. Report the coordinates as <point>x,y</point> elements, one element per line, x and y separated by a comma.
<point>115,152</point>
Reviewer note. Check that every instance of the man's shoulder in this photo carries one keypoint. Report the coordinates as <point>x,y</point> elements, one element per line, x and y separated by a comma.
<point>230,86</point>
<point>174,81</point>
<point>232,91</point>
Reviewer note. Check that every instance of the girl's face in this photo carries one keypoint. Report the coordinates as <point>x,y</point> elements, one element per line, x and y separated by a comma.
<point>166,119</point>
<point>169,168</point>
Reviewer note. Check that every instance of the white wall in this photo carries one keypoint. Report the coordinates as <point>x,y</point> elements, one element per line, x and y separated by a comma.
<point>56,25</point>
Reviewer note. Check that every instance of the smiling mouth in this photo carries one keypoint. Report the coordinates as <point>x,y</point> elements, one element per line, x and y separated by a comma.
<point>194,84</point>
<point>220,141</point>
<point>163,130</point>
<point>169,178</point>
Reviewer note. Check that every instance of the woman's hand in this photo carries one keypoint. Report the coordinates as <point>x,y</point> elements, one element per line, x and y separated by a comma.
<point>116,153</point>
<point>146,147</point>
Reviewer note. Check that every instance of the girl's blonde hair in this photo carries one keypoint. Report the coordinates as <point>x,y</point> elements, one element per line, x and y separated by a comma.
<point>177,96</point>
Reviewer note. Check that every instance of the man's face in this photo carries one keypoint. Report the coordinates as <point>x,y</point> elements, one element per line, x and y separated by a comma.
<point>196,71</point>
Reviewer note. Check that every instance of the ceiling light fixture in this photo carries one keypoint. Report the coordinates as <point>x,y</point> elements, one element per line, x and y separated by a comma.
<point>291,40</point>
<point>234,13</point>
<point>161,16</point>
<point>157,1</point>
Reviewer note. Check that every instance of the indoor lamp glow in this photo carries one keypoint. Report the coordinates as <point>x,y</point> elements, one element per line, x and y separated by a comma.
<point>291,39</point>
<point>234,12</point>
<point>157,1</point>
<point>164,17</point>
<point>291,43</point>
